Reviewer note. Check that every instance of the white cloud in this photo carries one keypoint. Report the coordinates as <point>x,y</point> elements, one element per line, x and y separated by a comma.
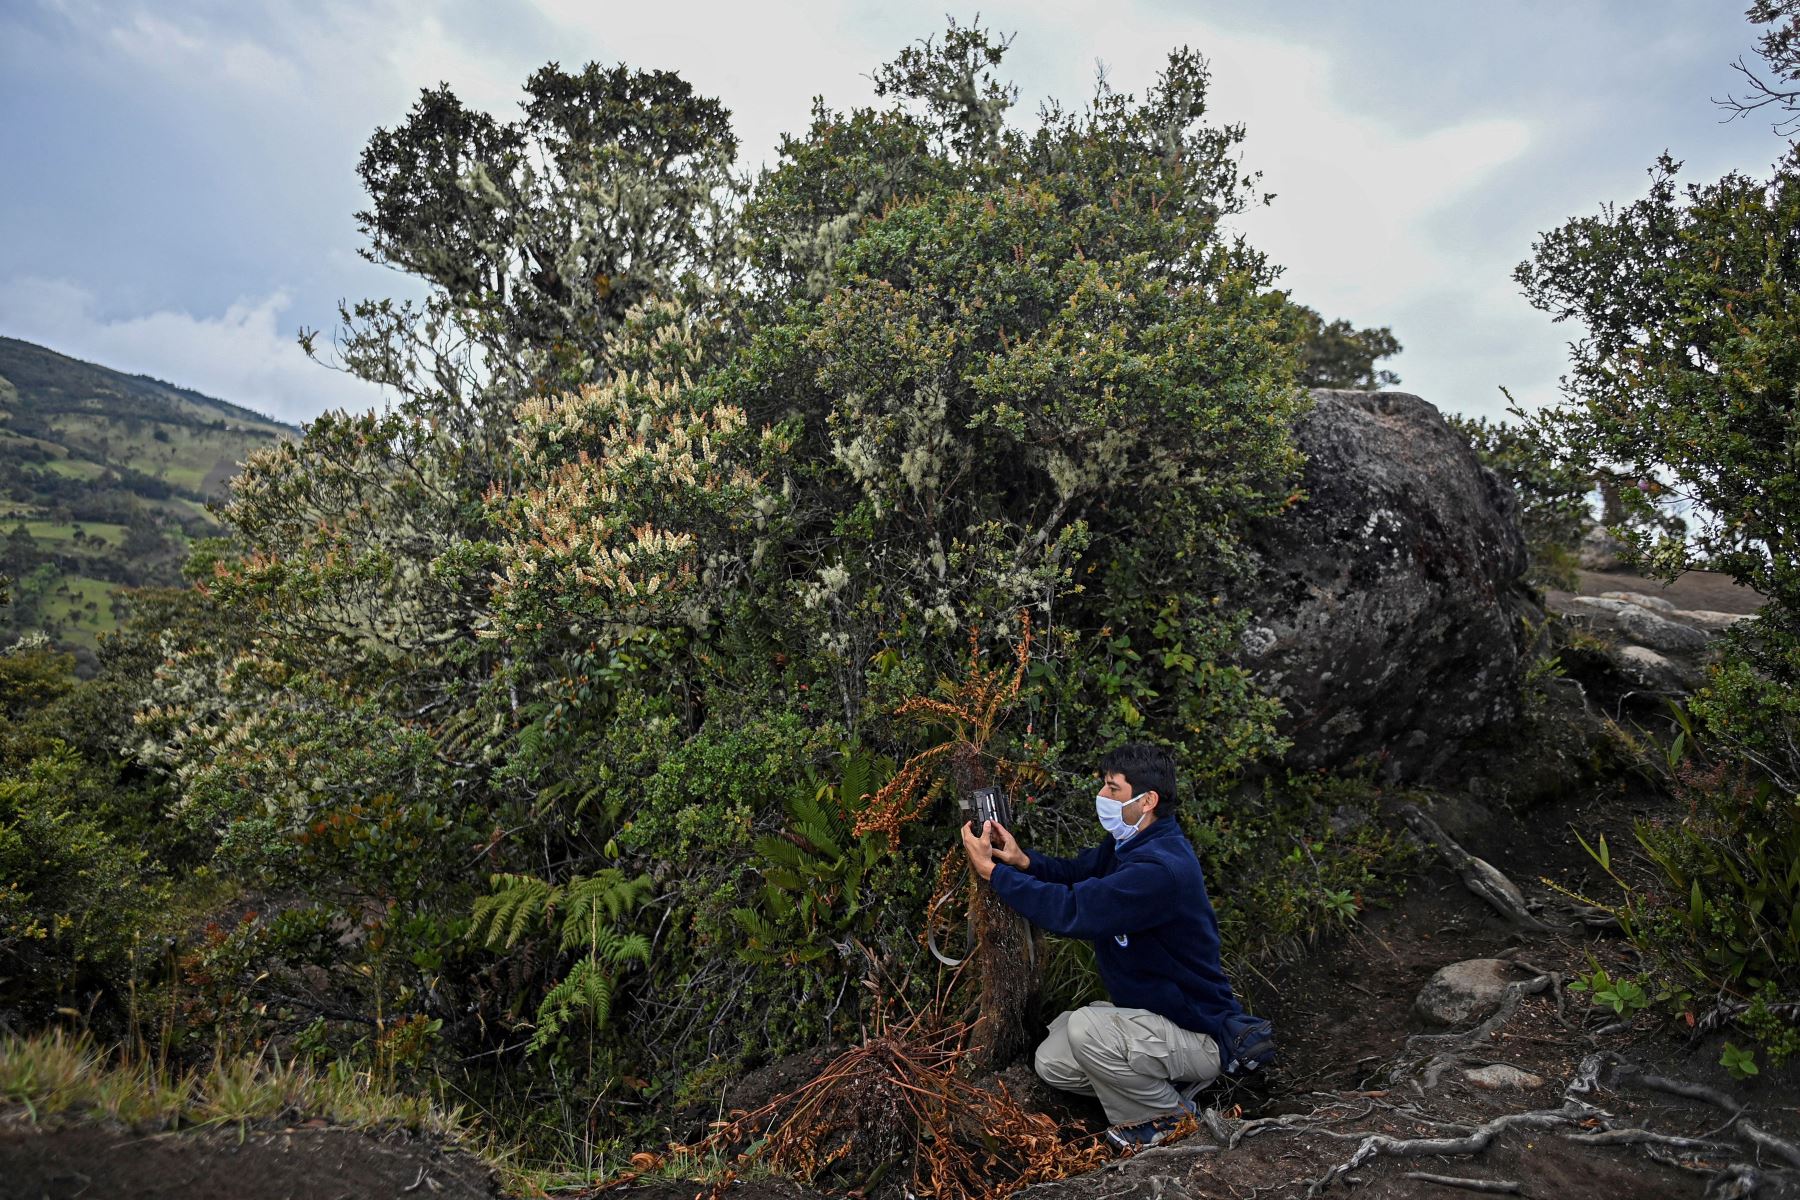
<point>197,53</point>
<point>765,61</point>
<point>425,54</point>
<point>241,355</point>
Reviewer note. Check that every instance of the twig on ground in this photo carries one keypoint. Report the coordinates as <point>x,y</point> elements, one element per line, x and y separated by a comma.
<point>1502,1187</point>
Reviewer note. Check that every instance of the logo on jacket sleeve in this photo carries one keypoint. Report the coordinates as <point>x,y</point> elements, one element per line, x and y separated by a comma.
<point>1123,939</point>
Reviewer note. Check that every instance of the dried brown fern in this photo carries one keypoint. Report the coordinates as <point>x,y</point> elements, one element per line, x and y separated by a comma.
<point>904,1096</point>
<point>1002,942</point>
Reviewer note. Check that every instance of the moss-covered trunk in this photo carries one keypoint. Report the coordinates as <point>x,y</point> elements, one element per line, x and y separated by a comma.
<point>1005,951</point>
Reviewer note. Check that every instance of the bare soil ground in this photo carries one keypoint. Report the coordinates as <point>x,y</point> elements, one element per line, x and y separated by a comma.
<point>310,1161</point>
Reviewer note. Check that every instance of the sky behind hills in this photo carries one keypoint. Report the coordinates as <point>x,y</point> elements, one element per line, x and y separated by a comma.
<point>179,182</point>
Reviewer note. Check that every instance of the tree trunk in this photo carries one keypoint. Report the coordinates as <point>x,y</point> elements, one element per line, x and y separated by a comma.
<point>1006,949</point>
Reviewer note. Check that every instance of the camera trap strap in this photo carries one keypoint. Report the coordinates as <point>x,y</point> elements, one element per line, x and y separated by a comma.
<point>931,932</point>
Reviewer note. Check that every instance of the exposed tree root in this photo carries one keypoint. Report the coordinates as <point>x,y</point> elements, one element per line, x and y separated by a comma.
<point>1478,875</point>
<point>1625,1072</point>
<point>1450,1049</point>
<point>1781,1148</point>
<point>1499,1187</point>
<point>1381,1144</point>
<point>1637,1137</point>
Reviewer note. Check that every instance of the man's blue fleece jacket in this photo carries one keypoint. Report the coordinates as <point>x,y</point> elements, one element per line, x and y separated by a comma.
<point>1144,907</point>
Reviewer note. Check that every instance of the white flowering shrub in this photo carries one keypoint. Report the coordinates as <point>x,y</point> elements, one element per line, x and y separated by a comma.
<point>636,500</point>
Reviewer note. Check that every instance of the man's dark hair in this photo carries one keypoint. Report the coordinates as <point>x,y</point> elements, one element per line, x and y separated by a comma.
<point>1146,768</point>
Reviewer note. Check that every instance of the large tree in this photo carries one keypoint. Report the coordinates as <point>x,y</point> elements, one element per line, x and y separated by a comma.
<point>1686,375</point>
<point>676,505</point>
<point>1685,386</point>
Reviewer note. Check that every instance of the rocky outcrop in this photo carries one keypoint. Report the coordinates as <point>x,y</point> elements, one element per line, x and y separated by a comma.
<point>1385,608</point>
<point>1600,550</point>
<point>1645,645</point>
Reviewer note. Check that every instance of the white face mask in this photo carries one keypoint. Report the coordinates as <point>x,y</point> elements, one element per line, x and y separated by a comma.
<point>1112,817</point>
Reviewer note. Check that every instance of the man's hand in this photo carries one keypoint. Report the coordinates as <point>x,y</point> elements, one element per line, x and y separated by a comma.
<point>981,854</point>
<point>1006,850</point>
<point>993,844</point>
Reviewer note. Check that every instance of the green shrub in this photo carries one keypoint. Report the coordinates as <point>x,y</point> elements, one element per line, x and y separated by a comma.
<point>1716,905</point>
<point>1302,858</point>
<point>72,896</point>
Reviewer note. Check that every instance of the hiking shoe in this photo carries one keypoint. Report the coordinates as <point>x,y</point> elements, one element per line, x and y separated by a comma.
<point>1151,1132</point>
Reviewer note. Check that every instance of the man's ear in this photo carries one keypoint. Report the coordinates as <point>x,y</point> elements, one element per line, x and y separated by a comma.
<point>1152,799</point>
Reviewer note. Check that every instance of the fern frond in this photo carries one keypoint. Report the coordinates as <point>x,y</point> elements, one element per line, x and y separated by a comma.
<point>786,880</point>
<point>859,776</point>
<point>592,903</point>
<point>818,833</point>
<point>509,910</point>
<point>780,851</point>
<point>618,949</point>
<point>585,987</point>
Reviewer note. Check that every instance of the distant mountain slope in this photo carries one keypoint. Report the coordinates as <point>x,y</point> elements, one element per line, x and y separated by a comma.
<point>104,479</point>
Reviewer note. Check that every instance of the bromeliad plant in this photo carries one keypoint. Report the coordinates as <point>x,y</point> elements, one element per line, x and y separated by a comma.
<point>814,872</point>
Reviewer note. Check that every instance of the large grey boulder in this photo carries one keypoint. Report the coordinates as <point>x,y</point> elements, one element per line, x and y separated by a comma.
<point>1385,609</point>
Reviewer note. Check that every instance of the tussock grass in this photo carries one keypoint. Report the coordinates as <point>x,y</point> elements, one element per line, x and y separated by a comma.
<point>57,1072</point>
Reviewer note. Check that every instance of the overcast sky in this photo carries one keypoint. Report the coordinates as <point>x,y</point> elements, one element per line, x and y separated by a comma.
<point>177,179</point>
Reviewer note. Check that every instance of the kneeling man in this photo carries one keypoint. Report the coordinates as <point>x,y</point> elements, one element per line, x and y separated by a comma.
<point>1140,898</point>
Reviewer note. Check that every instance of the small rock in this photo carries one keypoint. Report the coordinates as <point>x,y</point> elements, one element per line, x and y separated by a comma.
<point>1641,600</point>
<point>1706,618</point>
<point>1501,1077</point>
<point>1463,991</point>
<point>1659,633</point>
<point>1600,550</point>
<point>1648,669</point>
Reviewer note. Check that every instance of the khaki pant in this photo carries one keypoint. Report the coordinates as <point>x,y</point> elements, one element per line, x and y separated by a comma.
<point>1128,1058</point>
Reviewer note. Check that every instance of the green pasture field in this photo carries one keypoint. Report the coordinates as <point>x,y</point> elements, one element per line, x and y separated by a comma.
<point>186,460</point>
<point>75,468</point>
<point>64,531</point>
<point>65,609</point>
<point>262,429</point>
